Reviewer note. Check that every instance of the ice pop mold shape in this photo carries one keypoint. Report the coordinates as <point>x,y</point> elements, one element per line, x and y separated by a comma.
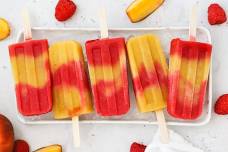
<point>71,91</point>
<point>30,67</point>
<point>108,75</point>
<point>188,76</point>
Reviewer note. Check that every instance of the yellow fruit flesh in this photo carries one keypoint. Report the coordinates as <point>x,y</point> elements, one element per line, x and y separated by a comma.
<point>140,9</point>
<point>4,29</point>
<point>52,148</point>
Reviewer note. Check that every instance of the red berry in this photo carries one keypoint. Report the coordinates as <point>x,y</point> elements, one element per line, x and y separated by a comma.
<point>64,10</point>
<point>135,147</point>
<point>21,146</point>
<point>216,14</point>
<point>221,105</point>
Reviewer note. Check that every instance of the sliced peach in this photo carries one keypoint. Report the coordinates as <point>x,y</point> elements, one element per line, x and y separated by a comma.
<point>140,9</point>
<point>4,29</point>
<point>52,148</point>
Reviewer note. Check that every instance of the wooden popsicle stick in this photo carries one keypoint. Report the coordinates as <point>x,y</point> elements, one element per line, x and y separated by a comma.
<point>193,23</point>
<point>76,131</point>
<point>27,26</point>
<point>103,23</point>
<point>164,133</point>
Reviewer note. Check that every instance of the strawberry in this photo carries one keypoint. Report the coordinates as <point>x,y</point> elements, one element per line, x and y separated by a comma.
<point>221,105</point>
<point>216,14</point>
<point>64,10</point>
<point>21,146</point>
<point>135,147</point>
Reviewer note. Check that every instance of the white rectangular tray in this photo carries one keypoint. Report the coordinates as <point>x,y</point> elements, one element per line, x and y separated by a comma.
<point>133,116</point>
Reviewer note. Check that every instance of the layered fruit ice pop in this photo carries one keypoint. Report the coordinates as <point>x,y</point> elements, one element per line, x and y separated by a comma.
<point>188,75</point>
<point>31,72</point>
<point>140,9</point>
<point>108,75</point>
<point>149,72</point>
<point>71,91</point>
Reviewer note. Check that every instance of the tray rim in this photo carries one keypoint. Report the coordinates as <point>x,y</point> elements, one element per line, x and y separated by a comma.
<point>143,122</point>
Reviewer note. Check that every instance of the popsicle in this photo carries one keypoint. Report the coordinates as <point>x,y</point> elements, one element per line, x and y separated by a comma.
<point>30,67</point>
<point>188,75</point>
<point>149,71</point>
<point>140,9</point>
<point>71,91</point>
<point>108,73</point>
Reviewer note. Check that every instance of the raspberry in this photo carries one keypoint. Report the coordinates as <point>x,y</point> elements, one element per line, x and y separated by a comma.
<point>216,14</point>
<point>135,147</point>
<point>64,10</point>
<point>21,146</point>
<point>221,105</point>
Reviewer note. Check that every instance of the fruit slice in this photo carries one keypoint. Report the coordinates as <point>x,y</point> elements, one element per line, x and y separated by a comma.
<point>52,148</point>
<point>140,9</point>
<point>4,29</point>
<point>136,147</point>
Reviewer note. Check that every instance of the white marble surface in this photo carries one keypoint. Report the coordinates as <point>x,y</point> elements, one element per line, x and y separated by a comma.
<point>113,138</point>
